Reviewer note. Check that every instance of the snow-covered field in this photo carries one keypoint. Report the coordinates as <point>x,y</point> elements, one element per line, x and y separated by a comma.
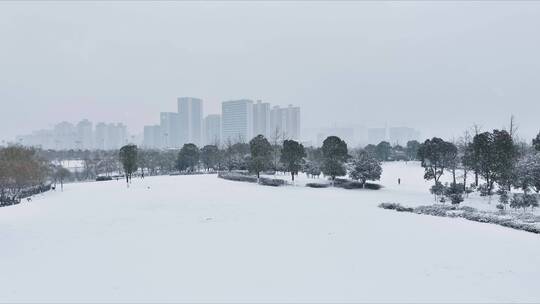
<point>200,238</point>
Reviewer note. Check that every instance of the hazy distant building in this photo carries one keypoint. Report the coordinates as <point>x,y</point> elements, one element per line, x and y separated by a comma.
<point>292,127</point>
<point>65,136</point>
<point>190,111</point>
<point>277,121</point>
<point>285,122</point>
<point>237,120</point>
<point>116,136</point>
<point>212,129</point>
<point>376,135</point>
<point>261,118</point>
<point>170,130</point>
<point>346,134</point>
<point>100,136</point>
<point>85,135</point>
<point>401,135</point>
<point>152,137</point>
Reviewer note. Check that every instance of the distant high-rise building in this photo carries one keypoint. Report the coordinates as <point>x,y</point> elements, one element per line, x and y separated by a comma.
<point>237,120</point>
<point>85,135</point>
<point>170,130</point>
<point>285,122</point>
<point>212,129</point>
<point>116,136</point>
<point>261,118</point>
<point>292,127</point>
<point>100,136</point>
<point>376,135</point>
<point>190,112</point>
<point>152,137</point>
<point>277,122</point>
<point>345,133</point>
<point>65,136</point>
<point>401,135</point>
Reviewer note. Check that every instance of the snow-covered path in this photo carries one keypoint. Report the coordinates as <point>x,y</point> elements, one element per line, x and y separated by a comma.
<point>200,238</point>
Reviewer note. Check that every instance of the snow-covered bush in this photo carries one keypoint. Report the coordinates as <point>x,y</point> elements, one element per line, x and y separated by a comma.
<point>271,182</point>
<point>372,186</point>
<point>317,185</point>
<point>395,206</point>
<point>525,222</point>
<point>236,176</point>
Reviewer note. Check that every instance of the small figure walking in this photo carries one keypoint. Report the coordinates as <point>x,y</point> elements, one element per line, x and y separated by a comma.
<point>399,181</point>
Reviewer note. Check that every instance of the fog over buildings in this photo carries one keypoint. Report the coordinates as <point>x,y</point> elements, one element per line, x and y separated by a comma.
<point>435,67</point>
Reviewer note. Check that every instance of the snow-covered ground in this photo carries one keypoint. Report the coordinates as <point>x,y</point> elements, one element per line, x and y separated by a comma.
<point>200,238</point>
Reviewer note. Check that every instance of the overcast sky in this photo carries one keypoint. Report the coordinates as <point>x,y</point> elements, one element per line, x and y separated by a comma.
<point>435,66</point>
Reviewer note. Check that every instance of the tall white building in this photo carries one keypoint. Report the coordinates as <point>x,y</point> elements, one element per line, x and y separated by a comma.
<point>261,118</point>
<point>292,127</point>
<point>170,130</point>
<point>65,136</point>
<point>376,135</point>
<point>401,135</point>
<point>190,111</point>
<point>285,122</point>
<point>212,129</point>
<point>116,136</point>
<point>85,135</point>
<point>237,120</point>
<point>152,137</point>
<point>100,136</point>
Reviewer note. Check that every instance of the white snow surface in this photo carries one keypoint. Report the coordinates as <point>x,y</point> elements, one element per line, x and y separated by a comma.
<point>204,239</point>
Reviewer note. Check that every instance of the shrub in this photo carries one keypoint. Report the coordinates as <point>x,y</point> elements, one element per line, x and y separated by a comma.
<point>274,182</point>
<point>372,186</point>
<point>316,185</point>
<point>103,178</point>
<point>395,206</point>
<point>238,177</point>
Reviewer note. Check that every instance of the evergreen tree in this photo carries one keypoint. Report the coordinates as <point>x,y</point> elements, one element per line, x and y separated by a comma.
<point>383,150</point>
<point>335,154</point>
<point>292,156</point>
<point>504,154</point>
<point>412,149</point>
<point>536,142</point>
<point>128,157</point>
<point>209,156</point>
<point>261,154</point>
<point>436,155</point>
<point>188,158</point>
<point>365,167</point>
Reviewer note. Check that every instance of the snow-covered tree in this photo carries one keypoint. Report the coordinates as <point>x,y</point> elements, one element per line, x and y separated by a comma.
<point>261,154</point>
<point>209,156</point>
<point>292,156</point>
<point>188,158</point>
<point>335,153</point>
<point>128,158</point>
<point>436,156</point>
<point>365,167</point>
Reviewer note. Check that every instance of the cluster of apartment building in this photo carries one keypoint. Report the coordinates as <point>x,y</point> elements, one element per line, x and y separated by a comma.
<point>239,121</point>
<point>80,136</point>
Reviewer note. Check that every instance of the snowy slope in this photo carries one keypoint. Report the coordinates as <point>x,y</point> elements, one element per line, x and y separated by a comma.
<point>200,238</point>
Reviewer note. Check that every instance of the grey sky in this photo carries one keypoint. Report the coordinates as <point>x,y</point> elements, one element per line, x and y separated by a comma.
<point>436,66</point>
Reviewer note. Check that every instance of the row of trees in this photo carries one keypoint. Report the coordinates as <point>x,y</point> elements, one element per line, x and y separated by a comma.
<point>259,155</point>
<point>495,157</point>
<point>23,171</point>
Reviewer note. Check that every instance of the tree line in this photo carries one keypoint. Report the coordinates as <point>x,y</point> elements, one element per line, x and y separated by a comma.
<point>495,157</point>
<point>259,156</point>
